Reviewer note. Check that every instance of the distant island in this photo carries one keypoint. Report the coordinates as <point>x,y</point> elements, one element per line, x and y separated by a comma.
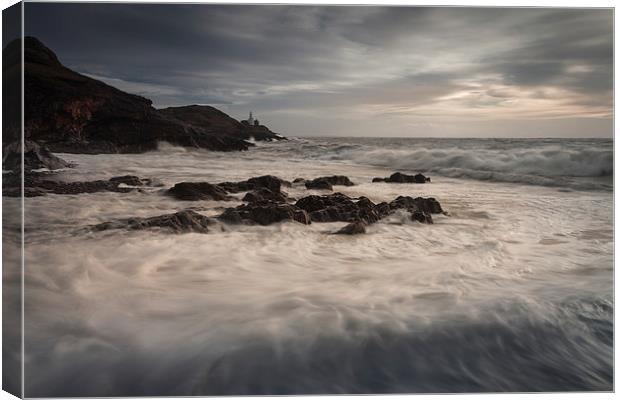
<point>71,113</point>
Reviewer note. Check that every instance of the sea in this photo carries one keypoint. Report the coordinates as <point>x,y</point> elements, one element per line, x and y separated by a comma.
<point>510,291</point>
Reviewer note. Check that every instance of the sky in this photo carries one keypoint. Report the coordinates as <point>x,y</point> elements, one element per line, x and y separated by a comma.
<point>352,71</point>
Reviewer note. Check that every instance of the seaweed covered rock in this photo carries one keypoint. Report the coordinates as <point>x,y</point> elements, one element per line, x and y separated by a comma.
<point>185,221</point>
<point>190,191</point>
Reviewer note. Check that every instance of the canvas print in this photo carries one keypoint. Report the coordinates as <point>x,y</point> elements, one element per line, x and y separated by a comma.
<point>284,200</point>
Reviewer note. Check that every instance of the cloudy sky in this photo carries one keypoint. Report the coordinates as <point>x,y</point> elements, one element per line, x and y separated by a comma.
<point>352,71</point>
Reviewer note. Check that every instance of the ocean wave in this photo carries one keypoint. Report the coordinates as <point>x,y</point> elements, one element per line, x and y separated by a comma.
<point>574,164</point>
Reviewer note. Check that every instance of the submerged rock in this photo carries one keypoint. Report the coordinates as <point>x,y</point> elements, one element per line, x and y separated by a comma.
<point>185,221</point>
<point>354,228</point>
<point>399,177</point>
<point>190,191</point>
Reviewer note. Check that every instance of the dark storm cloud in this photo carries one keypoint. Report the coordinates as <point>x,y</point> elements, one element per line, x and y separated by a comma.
<point>357,62</point>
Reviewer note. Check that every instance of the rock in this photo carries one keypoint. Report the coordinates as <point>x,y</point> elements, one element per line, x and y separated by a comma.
<point>335,180</point>
<point>185,221</point>
<point>36,185</point>
<point>338,207</point>
<point>399,177</point>
<point>35,157</point>
<point>73,113</point>
<point>320,184</point>
<point>422,217</point>
<point>263,195</point>
<point>265,214</point>
<point>429,205</point>
<point>130,180</point>
<point>354,228</point>
<point>270,182</point>
<point>198,191</point>
<point>299,180</point>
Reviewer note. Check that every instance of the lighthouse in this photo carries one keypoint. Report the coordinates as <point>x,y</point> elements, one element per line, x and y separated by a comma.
<point>250,119</point>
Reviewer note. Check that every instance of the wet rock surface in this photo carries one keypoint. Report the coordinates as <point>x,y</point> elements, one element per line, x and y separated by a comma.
<point>264,195</point>
<point>338,207</point>
<point>265,214</point>
<point>192,191</point>
<point>37,185</point>
<point>270,182</point>
<point>185,221</point>
<point>326,182</point>
<point>354,228</point>
<point>399,177</point>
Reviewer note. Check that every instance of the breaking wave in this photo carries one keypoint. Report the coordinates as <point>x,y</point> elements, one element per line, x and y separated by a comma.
<point>578,164</point>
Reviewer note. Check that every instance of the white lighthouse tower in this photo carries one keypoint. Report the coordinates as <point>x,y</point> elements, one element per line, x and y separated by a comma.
<point>251,119</point>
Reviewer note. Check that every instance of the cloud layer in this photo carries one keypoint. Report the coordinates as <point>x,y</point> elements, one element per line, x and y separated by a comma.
<point>366,71</point>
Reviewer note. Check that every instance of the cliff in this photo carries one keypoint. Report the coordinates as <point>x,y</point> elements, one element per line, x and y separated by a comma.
<point>70,112</point>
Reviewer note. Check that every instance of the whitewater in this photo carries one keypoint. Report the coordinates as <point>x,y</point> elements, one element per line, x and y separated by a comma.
<point>512,290</point>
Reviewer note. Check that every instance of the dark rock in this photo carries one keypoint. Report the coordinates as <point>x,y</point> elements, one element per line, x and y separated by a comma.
<point>198,191</point>
<point>354,228</point>
<point>399,177</point>
<point>320,184</point>
<point>185,221</point>
<point>270,182</point>
<point>265,214</point>
<point>429,205</point>
<point>299,180</point>
<point>35,157</point>
<point>338,207</point>
<point>263,195</point>
<point>335,180</point>
<point>36,185</point>
<point>422,217</point>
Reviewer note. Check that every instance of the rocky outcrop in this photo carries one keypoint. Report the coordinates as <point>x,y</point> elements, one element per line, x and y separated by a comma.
<point>399,177</point>
<point>191,191</point>
<point>73,113</point>
<point>185,221</point>
<point>35,157</point>
<point>326,182</point>
<point>264,214</point>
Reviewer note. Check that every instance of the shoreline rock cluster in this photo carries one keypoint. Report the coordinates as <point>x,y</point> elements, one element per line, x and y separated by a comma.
<point>266,204</point>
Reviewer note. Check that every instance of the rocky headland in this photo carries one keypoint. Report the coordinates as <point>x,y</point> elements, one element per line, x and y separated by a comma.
<point>68,112</point>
